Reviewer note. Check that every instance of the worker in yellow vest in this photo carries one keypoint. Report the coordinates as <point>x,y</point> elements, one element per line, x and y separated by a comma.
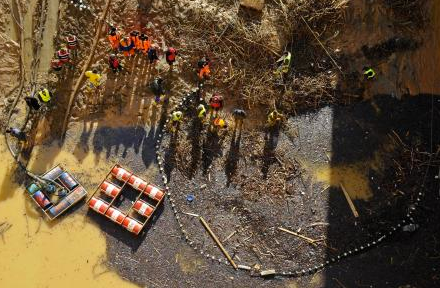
<point>44,96</point>
<point>94,79</point>
<point>176,119</point>
<point>274,118</point>
<point>283,64</point>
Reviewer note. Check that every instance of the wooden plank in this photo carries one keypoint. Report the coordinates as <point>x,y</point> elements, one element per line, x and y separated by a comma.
<point>350,202</point>
<point>219,244</point>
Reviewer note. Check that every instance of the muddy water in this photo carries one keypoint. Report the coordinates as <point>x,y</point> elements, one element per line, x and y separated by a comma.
<point>49,32</point>
<point>70,252</point>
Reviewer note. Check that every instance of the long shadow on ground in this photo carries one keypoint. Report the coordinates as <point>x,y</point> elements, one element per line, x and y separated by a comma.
<point>406,258</point>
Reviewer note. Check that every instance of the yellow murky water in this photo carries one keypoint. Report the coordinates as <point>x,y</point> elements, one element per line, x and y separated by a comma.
<point>70,252</point>
<point>354,176</point>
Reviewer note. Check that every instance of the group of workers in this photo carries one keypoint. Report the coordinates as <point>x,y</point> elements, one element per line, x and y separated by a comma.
<point>66,55</point>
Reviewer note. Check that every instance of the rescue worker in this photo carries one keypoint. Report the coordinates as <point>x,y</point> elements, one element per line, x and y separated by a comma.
<point>283,64</point>
<point>72,45</point>
<point>274,118</point>
<point>134,37</point>
<point>56,65</point>
<point>152,54</point>
<point>369,73</point>
<point>17,133</point>
<point>64,56</point>
<point>170,56</point>
<point>44,96</point>
<point>157,88</point>
<point>216,103</point>
<point>114,37</point>
<point>145,43</point>
<point>126,46</point>
<point>201,113</point>
<point>218,126</point>
<point>114,64</point>
<point>204,68</point>
<point>94,79</point>
<point>176,119</point>
<point>239,116</point>
<point>33,103</point>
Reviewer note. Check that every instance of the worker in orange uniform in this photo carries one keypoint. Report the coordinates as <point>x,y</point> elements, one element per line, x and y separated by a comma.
<point>216,103</point>
<point>145,43</point>
<point>126,46</point>
<point>204,69</point>
<point>134,37</point>
<point>114,37</point>
<point>72,45</point>
<point>218,126</point>
<point>170,56</point>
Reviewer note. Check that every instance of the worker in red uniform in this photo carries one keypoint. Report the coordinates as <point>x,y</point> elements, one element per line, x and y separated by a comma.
<point>134,37</point>
<point>72,45</point>
<point>114,64</point>
<point>145,43</point>
<point>126,46</point>
<point>216,104</point>
<point>64,57</point>
<point>204,68</point>
<point>170,56</point>
<point>56,65</point>
<point>114,37</point>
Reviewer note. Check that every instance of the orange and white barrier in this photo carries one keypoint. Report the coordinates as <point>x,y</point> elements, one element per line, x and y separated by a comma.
<point>153,192</point>
<point>120,173</point>
<point>98,205</point>
<point>115,215</point>
<point>143,208</point>
<point>132,225</point>
<point>109,189</point>
<point>137,183</point>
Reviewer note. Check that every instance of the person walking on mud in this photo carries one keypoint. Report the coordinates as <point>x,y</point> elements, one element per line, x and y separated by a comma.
<point>94,80</point>
<point>239,116</point>
<point>176,119</point>
<point>72,45</point>
<point>114,63</point>
<point>215,104</point>
<point>114,37</point>
<point>16,133</point>
<point>204,71</point>
<point>157,89</point>
<point>170,57</point>
<point>152,54</point>
<point>201,113</point>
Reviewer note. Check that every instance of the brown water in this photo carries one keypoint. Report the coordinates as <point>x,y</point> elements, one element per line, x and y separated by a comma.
<point>70,252</point>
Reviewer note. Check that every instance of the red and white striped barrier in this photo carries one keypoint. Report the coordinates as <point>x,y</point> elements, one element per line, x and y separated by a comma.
<point>98,205</point>
<point>143,208</point>
<point>120,173</point>
<point>109,189</point>
<point>137,183</point>
<point>153,192</point>
<point>115,215</point>
<point>132,225</point>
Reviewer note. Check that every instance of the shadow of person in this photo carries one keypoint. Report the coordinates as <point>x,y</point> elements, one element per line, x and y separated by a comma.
<point>196,150</point>
<point>211,149</point>
<point>170,155</point>
<point>271,142</point>
<point>233,156</point>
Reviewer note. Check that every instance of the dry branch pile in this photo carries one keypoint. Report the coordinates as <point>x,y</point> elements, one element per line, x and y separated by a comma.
<point>244,49</point>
